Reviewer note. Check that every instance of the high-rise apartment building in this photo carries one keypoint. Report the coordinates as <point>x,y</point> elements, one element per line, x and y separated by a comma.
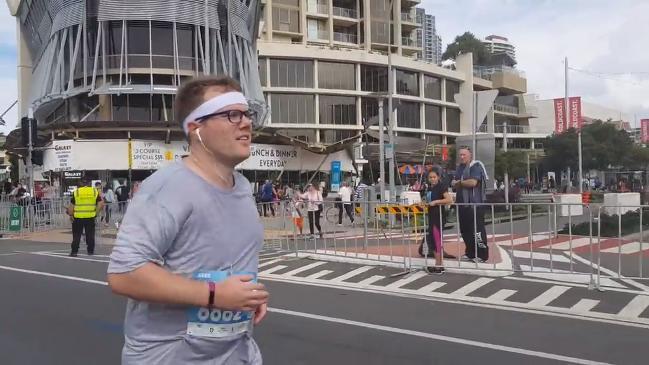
<point>430,40</point>
<point>497,44</point>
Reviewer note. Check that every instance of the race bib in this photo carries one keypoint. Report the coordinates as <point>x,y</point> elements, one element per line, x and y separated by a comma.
<point>214,322</point>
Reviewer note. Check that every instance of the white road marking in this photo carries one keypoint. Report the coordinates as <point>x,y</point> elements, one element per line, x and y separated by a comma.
<point>585,305</point>
<point>635,307</point>
<point>273,269</point>
<point>352,273</point>
<point>370,281</point>
<point>549,295</point>
<point>10,254</point>
<point>540,256</point>
<point>74,278</point>
<point>404,281</point>
<point>267,263</point>
<point>319,274</point>
<point>522,240</point>
<point>611,273</point>
<point>472,286</point>
<point>627,248</point>
<point>62,257</point>
<point>436,337</point>
<point>431,287</point>
<point>502,295</point>
<point>567,276</point>
<point>304,268</point>
<point>576,242</point>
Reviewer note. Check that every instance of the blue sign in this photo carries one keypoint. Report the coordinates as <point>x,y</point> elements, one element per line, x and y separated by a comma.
<point>336,175</point>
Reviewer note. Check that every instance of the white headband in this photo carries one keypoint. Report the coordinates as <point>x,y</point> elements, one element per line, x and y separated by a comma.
<point>213,105</point>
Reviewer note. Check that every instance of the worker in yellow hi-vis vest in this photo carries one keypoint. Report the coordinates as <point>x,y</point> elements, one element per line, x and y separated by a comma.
<point>86,203</point>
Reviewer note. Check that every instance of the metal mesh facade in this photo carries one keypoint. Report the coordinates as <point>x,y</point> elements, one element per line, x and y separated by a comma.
<point>143,47</point>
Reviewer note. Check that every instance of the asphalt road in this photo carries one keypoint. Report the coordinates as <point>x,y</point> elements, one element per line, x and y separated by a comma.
<point>55,310</point>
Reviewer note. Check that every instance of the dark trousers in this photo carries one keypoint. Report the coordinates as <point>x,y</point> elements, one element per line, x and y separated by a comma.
<point>122,206</point>
<point>348,210</point>
<point>474,234</point>
<point>314,218</point>
<point>86,225</point>
<point>107,211</point>
<point>268,204</point>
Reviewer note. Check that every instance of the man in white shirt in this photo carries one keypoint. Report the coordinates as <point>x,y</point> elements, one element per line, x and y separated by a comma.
<point>346,201</point>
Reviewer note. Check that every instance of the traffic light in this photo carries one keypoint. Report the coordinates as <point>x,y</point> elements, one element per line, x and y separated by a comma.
<point>37,157</point>
<point>24,130</point>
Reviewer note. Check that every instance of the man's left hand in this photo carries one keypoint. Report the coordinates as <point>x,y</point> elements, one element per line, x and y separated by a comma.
<point>260,313</point>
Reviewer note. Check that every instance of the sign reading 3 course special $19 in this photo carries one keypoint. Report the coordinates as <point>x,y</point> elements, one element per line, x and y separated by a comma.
<point>153,155</point>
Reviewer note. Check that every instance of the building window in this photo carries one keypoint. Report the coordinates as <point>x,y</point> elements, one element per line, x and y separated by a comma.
<point>333,75</point>
<point>433,117</point>
<point>292,109</point>
<point>340,110</point>
<point>162,46</point>
<point>333,136</point>
<point>452,88</point>
<point>138,43</point>
<point>409,134</point>
<point>139,107</point>
<point>370,112</point>
<point>162,108</point>
<point>120,107</point>
<point>407,83</point>
<point>408,115</point>
<point>432,87</point>
<point>453,120</point>
<point>374,78</point>
<point>286,19</point>
<point>262,71</point>
<point>291,73</point>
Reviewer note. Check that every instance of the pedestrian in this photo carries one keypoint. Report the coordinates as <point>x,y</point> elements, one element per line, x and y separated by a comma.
<point>360,191</point>
<point>469,182</point>
<point>268,193</point>
<point>84,206</point>
<point>346,203</point>
<point>123,193</point>
<point>296,214</point>
<point>188,262</point>
<point>49,194</point>
<point>314,199</point>
<point>109,200</point>
<point>436,197</point>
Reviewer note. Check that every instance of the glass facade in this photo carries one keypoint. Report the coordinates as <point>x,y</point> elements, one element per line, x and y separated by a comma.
<point>370,111</point>
<point>407,83</point>
<point>433,117</point>
<point>293,108</point>
<point>408,115</point>
<point>333,136</point>
<point>374,78</point>
<point>432,87</point>
<point>340,110</point>
<point>452,88</point>
<point>291,73</point>
<point>333,75</point>
<point>452,120</point>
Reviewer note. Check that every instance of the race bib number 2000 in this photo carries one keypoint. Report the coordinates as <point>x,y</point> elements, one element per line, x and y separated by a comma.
<point>214,322</point>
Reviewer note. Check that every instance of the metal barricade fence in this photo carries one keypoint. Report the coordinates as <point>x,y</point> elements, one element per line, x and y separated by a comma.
<point>620,244</point>
<point>528,238</point>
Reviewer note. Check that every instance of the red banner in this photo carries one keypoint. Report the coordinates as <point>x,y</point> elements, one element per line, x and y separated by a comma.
<point>445,152</point>
<point>644,127</point>
<point>575,112</point>
<point>559,116</point>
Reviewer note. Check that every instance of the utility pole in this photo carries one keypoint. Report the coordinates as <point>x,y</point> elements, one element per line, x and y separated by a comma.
<point>381,151</point>
<point>567,109</point>
<point>506,173</point>
<point>30,150</point>
<point>393,188</point>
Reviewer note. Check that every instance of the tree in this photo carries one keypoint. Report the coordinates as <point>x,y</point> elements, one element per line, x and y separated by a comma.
<point>603,147</point>
<point>512,162</point>
<point>465,43</point>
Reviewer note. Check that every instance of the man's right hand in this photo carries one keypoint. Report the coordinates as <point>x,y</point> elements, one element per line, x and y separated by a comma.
<point>238,292</point>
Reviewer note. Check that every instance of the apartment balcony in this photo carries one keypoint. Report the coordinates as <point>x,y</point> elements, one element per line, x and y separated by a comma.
<point>507,109</point>
<point>318,10</point>
<point>507,79</point>
<point>345,13</point>
<point>321,36</point>
<point>511,129</point>
<point>409,22</point>
<point>410,3</point>
<point>345,37</point>
<point>410,42</point>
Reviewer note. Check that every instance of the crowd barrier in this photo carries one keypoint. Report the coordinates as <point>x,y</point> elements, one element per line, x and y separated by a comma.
<point>546,239</point>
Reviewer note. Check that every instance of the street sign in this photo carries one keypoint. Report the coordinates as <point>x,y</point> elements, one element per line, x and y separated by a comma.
<point>335,175</point>
<point>389,151</point>
<point>15,218</point>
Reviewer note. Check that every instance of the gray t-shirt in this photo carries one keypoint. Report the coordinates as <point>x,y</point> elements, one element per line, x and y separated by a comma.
<point>186,225</point>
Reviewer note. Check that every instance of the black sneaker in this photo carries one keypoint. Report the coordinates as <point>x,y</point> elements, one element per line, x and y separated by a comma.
<point>437,270</point>
<point>73,254</point>
<point>91,253</point>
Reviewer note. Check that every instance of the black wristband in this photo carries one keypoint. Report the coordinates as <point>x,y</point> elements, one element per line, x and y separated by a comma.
<point>210,302</point>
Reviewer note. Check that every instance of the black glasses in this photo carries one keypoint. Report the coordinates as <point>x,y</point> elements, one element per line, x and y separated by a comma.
<point>234,116</point>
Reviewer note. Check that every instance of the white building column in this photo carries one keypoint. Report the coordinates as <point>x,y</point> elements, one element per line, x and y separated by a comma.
<point>367,24</point>
<point>268,10</point>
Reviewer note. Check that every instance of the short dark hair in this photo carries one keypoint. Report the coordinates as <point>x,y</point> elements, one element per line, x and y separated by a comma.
<point>192,94</point>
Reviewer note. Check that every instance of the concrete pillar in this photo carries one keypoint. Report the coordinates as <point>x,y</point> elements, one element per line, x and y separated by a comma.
<point>24,71</point>
<point>464,64</point>
<point>104,111</point>
<point>303,25</point>
<point>268,10</point>
<point>367,23</point>
<point>331,22</point>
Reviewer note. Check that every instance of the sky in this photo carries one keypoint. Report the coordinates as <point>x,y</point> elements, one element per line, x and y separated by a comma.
<point>608,39</point>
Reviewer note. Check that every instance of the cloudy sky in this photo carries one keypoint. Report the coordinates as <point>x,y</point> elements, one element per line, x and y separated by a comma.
<point>608,38</point>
